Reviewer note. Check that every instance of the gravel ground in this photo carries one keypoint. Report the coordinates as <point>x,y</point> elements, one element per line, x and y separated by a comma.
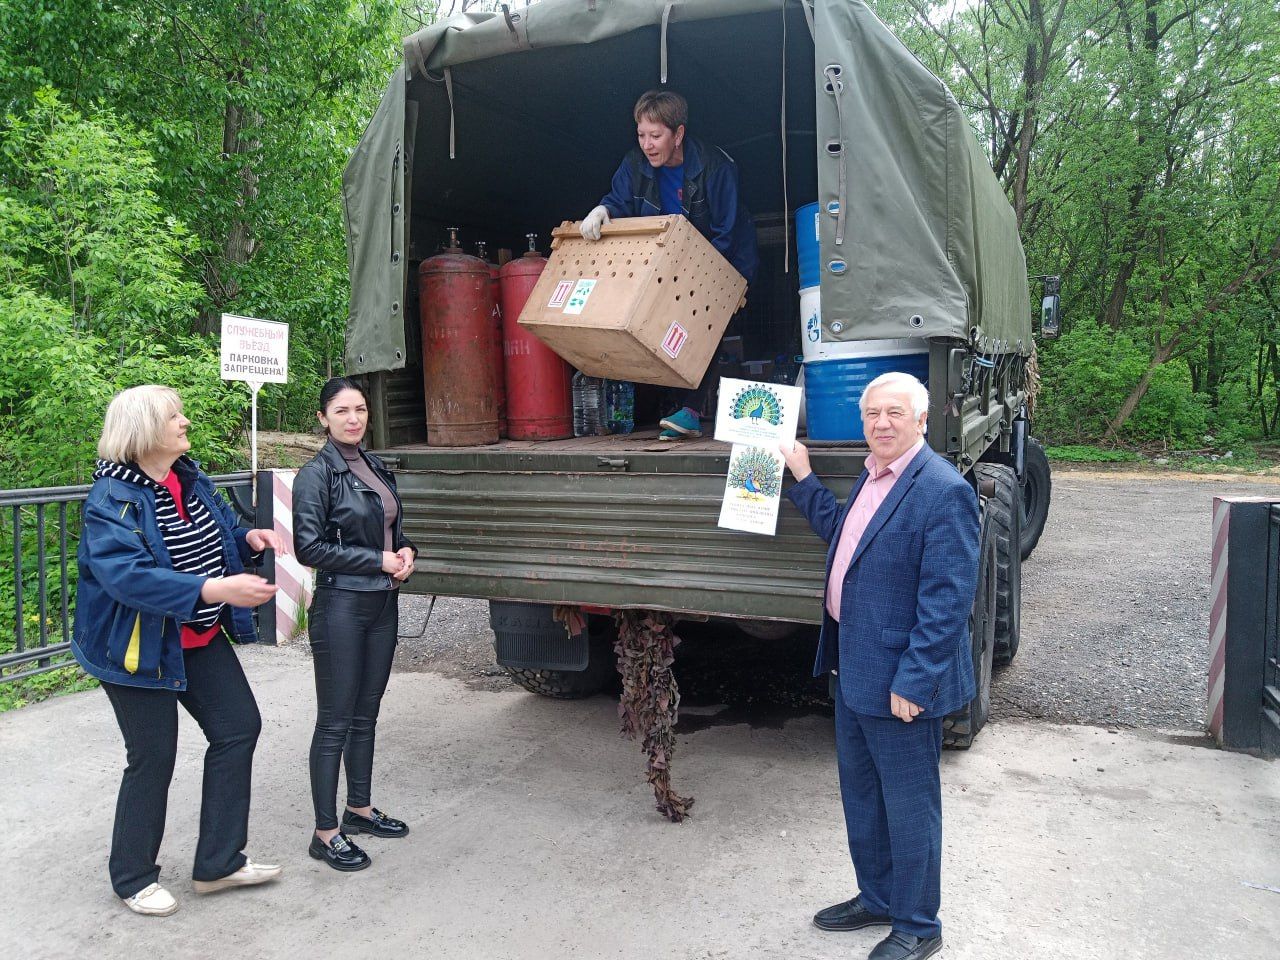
<point>1114,620</point>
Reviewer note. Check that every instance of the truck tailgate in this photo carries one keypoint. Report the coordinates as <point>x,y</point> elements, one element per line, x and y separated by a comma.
<point>620,521</point>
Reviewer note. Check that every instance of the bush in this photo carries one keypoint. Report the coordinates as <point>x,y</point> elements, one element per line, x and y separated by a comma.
<point>1087,375</point>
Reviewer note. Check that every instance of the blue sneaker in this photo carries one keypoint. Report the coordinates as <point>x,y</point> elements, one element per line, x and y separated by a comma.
<point>684,423</point>
<point>670,435</point>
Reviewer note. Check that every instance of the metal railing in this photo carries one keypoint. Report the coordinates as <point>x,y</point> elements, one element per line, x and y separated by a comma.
<point>1271,632</point>
<point>40,554</point>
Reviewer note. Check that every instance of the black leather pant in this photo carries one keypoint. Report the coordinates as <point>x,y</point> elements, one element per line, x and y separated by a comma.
<point>353,641</point>
<point>219,698</point>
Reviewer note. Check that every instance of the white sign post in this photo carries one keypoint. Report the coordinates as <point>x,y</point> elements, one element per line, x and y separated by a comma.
<point>257,352</point>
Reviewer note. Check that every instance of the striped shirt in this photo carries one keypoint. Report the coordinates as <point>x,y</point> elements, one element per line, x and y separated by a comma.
<point>191,536</point>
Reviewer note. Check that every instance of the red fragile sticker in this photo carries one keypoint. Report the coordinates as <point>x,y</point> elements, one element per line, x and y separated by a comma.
<point>674,340</point>
<point>561,293</point>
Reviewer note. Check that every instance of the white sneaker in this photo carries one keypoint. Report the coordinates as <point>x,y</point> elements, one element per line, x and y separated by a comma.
<point>152,901</point>
<point>249,875</point>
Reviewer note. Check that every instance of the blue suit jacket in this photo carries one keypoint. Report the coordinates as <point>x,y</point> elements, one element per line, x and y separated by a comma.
<point>904,610</point>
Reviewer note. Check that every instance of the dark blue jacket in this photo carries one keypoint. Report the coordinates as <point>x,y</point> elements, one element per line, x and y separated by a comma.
<point>710,200</point>
<point>904,609</point>
<point>130,602</point>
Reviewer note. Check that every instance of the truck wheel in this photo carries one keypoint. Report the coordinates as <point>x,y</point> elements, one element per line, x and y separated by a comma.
<point>1005,509</point>
<point>575,684</point>
<point>960,728</point>
<point>1036,487</point>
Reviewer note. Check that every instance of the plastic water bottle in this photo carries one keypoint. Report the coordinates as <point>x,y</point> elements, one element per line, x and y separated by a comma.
<point>588,406</point>
<point>621,405</point>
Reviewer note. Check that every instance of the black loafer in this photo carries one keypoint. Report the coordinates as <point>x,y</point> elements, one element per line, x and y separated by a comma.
<point>340,853</point>
<point>850,915</point>
<point>379,825</point>
<point>905,946</point>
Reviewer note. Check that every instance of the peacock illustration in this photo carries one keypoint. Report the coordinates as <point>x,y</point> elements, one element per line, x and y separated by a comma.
<point>757,403</point>
<point>755,471</point>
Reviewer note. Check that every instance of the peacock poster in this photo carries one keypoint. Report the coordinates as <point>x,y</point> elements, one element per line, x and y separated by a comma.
<point>761,414</point>
<point>756,418</point>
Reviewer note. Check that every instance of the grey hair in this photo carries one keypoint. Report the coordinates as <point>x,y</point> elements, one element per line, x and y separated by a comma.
<point>135,422</point>
<point>918,392</point>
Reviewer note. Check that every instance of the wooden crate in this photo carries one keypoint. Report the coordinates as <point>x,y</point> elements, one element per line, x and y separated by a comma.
<point>648,301</point>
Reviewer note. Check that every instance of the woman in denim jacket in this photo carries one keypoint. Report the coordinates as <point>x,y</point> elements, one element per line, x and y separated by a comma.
<point>162,589</point>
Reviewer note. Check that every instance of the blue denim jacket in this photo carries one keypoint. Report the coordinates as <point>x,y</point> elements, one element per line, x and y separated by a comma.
<point>130,602</point>
<point>711,200</point>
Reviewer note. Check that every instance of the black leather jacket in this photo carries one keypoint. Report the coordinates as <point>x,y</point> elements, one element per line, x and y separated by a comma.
<point>338,523</point>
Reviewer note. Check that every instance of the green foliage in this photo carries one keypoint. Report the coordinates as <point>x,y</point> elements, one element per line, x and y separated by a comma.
<point>1084,453</point>
<point>1088,373</point>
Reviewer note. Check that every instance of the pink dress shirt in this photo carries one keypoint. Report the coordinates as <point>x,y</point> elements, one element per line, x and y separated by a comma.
<point>877,486</point>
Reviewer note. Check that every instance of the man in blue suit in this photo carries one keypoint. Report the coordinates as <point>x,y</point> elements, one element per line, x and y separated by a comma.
<point>902,568</point>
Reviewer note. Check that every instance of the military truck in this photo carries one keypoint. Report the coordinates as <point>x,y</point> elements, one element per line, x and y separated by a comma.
<point>507,123</point>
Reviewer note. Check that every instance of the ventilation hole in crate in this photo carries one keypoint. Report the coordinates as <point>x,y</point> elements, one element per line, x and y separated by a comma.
<point>631,274</point>
<point>613,273</point>
<point>677,298</point>
<point>659,279</point>
<point>695,311</point>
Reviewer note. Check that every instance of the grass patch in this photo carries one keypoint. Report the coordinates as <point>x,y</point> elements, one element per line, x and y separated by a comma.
<point>1084,453</point>
<point>20,693</point>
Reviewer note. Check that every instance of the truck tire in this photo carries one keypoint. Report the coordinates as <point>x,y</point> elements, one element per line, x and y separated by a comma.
<point>601,669</point>
<point>1036,488</point>
<point>961,728</point>
<point>1005,510</point>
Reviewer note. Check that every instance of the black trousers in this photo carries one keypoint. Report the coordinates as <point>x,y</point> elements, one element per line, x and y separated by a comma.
<point>353,641</point>
<point>219,698</point>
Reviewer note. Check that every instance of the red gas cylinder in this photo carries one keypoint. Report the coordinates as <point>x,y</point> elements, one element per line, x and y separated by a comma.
<point>457,349</point>
<point>495,291</point>
<point>539,389</point>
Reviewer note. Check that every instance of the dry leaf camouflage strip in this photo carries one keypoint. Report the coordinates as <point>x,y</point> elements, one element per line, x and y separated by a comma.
<point>650,701</point>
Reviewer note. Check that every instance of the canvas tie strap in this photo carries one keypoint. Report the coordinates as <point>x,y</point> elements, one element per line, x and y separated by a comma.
<point>786,203</point>
<point>835,148</point>
<point>448,89</point>
<point>662,46</point>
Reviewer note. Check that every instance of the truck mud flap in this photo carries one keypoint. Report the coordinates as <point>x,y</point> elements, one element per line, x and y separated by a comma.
<point>527,636</point>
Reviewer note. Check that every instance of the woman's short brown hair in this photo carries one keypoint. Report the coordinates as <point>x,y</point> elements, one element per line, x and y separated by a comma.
<point>663,106</point>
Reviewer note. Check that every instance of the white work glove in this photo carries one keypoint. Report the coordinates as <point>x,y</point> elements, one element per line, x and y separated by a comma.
<point>596,219</point>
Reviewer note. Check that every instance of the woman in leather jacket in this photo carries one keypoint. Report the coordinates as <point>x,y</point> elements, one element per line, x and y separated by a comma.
<point>346,524</point>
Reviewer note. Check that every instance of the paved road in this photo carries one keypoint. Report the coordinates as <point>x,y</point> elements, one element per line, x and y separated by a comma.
<point>534,837</point>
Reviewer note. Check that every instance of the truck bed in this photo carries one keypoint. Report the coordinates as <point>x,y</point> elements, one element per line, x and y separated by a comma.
<point>625,521</point>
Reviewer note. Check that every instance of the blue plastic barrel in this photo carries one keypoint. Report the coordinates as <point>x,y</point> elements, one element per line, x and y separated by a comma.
<point>832,387</point>
<point>807,245</point>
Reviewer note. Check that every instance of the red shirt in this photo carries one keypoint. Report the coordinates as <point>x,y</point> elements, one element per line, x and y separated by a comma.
<point>190,638</point>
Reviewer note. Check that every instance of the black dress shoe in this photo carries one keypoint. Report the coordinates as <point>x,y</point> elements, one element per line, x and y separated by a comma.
<point>340,853</point>
<point>379,825</point>
<point>905,946</point>
<point>850,915</point>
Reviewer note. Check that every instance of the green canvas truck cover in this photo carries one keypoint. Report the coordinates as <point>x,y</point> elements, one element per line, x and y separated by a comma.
<point>917,237</point>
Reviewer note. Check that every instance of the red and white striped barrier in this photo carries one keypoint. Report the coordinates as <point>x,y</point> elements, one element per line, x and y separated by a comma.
<point>296,582</point>
<point>1218,613</point>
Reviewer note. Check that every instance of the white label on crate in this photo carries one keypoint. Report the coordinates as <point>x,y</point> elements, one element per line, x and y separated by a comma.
<point>578,299</point>
<point>674,340</point>
<point>561,294</point>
